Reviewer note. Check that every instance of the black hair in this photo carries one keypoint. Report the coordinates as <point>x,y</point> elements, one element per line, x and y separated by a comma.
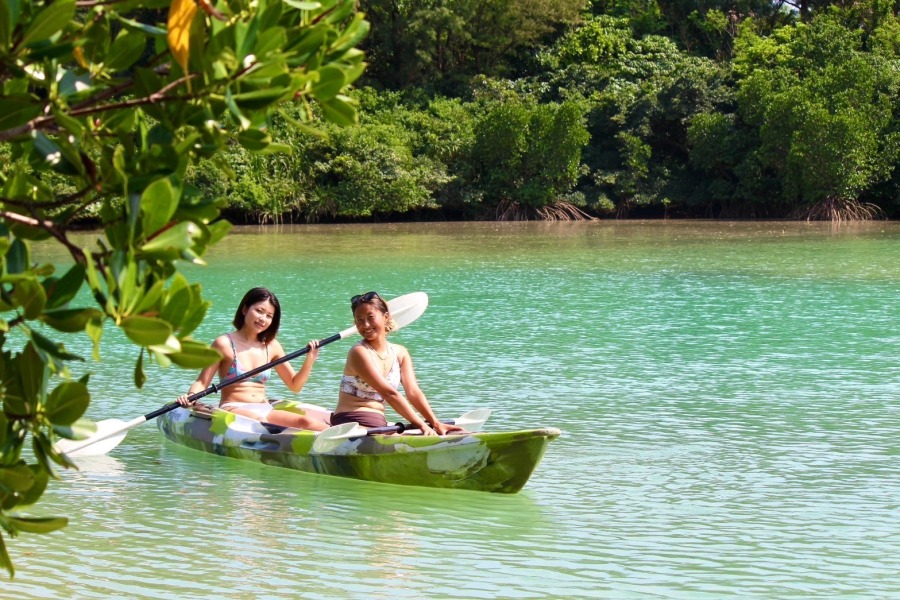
<point>255,295</point>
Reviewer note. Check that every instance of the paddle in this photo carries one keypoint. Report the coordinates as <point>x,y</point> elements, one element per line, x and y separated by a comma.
<point>404,310</point>
<point>331,438</point>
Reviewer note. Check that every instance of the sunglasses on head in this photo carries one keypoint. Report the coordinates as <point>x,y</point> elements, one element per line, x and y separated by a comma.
<point>360,298</point>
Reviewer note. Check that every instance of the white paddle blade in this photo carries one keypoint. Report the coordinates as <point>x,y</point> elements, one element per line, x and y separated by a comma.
<point>404,310</point>
<point>329,439</point>
<point>109,434</point>
<point>408,308</point>
<point>474,419</point>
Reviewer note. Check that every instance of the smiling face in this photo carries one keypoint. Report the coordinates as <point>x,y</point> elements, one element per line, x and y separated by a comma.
<point>259,306</point>
<point>370,320</point>
<point>258,318</point>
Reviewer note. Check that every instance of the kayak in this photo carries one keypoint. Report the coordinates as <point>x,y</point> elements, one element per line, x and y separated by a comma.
<point>500,462</point>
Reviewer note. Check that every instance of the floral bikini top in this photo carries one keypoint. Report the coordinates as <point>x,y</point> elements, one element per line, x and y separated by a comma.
<point>356,386</point>
<point>235,369</point>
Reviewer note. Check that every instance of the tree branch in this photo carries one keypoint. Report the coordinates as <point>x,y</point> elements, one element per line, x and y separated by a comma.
<point>39,123</point>
<point>48,226</point>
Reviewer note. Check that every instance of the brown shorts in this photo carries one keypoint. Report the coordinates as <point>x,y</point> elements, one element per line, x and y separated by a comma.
<point>366,418</point>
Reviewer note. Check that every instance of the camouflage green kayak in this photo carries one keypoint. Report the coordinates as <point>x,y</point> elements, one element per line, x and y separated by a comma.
<point>483,461</point>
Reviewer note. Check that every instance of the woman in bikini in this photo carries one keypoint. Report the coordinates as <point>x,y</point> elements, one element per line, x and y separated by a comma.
<point>252,345</point>
<point>375,370</point>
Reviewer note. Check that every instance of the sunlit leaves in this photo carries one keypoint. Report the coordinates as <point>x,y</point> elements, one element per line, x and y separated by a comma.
<point>99,125</point>
<point>146,331</point>
<point>67,402</point>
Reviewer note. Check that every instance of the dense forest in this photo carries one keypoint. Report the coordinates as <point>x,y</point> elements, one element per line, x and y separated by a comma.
<point>571,109</point>
<point>556,109</point>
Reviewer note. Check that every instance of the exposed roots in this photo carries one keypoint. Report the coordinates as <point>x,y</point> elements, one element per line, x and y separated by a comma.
<point>559,211</point>
<point>838,210</point>
<point>563,211</point>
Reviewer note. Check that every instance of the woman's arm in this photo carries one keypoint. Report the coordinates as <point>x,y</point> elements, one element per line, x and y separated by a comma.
<point>204,379</point>
<point>359,364</point>
<point>415,395</point>
<point>295,381</point>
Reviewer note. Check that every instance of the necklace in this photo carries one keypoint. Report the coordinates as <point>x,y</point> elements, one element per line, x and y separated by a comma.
<point>375,352</point>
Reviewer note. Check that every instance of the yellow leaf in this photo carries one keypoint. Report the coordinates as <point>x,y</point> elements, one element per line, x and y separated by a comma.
<point>181,14</point>
<point>79,58</point>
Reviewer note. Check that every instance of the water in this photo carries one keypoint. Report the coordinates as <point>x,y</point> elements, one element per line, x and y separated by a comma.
<point>727,395</point>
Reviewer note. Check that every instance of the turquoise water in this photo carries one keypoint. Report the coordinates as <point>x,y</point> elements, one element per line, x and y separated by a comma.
<point>726,391</point>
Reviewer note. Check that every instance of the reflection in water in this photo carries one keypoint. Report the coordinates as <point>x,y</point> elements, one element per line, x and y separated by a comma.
<point>726,393</point>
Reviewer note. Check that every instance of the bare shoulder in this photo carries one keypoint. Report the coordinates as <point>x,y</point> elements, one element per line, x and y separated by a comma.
<point>401,351</point>
<point>222,343</point>
<point>275,350</point>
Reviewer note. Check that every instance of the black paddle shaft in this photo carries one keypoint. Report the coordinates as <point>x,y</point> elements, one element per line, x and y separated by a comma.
<point>215,388</point>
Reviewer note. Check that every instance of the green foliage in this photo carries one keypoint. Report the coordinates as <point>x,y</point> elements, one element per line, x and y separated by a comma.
<point>366,170</point>
<point>824,109</point>
<point>526,155</point>
<point>102,112</point>
<point>443,43</point>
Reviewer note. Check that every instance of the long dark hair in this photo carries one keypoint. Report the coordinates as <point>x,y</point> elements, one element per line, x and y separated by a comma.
<point>259,294</point>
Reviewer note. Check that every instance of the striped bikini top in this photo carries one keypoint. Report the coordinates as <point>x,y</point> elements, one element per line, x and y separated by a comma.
<point>235,369</point>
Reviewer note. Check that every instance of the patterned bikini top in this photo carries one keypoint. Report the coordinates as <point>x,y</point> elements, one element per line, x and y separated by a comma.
<point>235,369</point>
<point>356,386</point>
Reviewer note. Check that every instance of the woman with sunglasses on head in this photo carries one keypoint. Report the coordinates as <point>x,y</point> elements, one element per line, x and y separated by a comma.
<point>375,370</point>
<point>250,346</point>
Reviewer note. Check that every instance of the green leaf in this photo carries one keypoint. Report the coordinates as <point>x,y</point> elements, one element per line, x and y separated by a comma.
<point>146,331</point>
<point>4,558</point>
<point>170,346</point>
<point>94,330</point>
<point>71,320</point>
<point>150,299</point>
<point>158,203</point>
<point>47,152</point>
<point>126,50</point>
<point>18,257</point>
<point>307,44</point>
<point>49,351</point>
<point>218,231</point>
<point>49,21</point>
<point>33,375</point>
<point>195,355</point>
<point>60,291</point>
<point>140,377</point>
<point>173,242</point>
<point>235,110</point>
<point>339,110</point>
<point>16,478</point>
<point>38,524</point>
<point>254,140</point>
<point>194,317</point>
<point>30,295</point>
<point>9,18</point>
<point>177,302</point>
<point>17,110</point>
<point>74,86</point>
<point>67,402</point>
<point>259,99</point>
<point>353,34</point>
<point>331,81</point>
<point>138,26</point>
<point>81,429</point>
<point>301,5</point>
<point>33,494</point>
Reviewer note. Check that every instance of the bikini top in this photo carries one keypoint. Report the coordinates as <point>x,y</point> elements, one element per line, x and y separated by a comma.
<point>235,369</point>
<point>356,386</point>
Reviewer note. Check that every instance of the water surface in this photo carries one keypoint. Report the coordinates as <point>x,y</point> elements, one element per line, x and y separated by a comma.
<point>726,391</point>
